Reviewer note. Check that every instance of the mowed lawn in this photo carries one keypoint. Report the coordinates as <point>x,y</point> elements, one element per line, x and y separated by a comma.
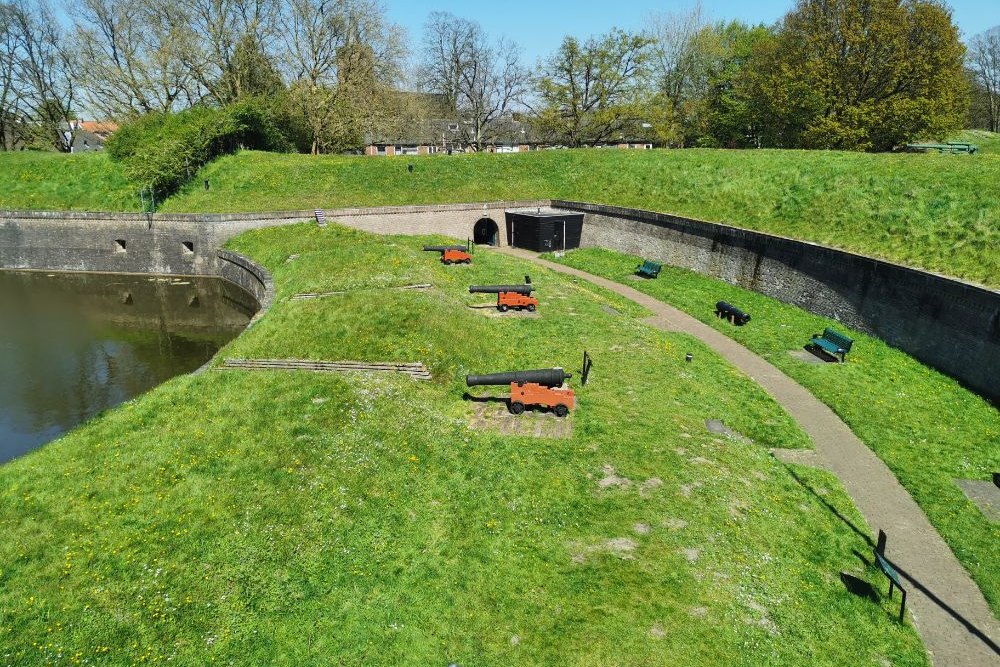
<point>290,518</point>
<point>938,212</point>
<point>925,426</point>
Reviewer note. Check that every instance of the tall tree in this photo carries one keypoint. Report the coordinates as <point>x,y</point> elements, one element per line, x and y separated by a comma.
<point>222,40</point>
<point>40,71</point>
<point>343,59</point>
<point>732,118</point>
<point>9,95</point>
<point>593,92</point>
<point>479,78</point>
<point>131,56</point>
<point>984,63</point>
<point>686,49</point>
<point>861,74</point>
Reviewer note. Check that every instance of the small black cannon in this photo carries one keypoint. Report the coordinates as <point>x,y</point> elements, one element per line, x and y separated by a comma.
<point>444,248</point>
<point>727,311</point>
<point>542,387</point>
<point>510,296</point>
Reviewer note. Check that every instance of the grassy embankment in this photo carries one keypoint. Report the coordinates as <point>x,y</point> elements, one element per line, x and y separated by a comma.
<point>938,212</point>
<point>59,182</point>
<point>277,518</point>
<point>928,429</point>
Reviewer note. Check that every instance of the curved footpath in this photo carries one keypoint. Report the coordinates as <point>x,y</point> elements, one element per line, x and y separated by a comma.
<point>948,609</point>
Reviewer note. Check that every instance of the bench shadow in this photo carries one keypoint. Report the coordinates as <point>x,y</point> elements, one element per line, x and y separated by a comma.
<point>820,353</point>
<point>859,587</point>
<point>968,625</point>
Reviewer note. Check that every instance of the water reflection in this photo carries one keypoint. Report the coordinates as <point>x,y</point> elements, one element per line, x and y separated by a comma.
<point>72,345</point>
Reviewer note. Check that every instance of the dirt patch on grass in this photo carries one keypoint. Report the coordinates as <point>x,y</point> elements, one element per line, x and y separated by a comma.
<point>494,416</point>
<point>806,356</point>
<point>612,480</point>
<point>650,485</point>
<point>619,547</point>
<point>490,310</point>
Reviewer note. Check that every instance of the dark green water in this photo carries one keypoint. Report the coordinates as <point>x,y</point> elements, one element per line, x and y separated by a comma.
<point>72,345</point>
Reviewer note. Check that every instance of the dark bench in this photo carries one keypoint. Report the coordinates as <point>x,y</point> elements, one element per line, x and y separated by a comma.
<point>649,269</point>
<point>833,343</point>
<point>889,571</point>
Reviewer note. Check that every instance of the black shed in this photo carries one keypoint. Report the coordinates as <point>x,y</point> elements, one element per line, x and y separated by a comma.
<point>544,229</point>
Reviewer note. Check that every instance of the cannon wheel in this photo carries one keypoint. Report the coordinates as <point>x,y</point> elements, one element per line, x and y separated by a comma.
<point>561,410</point>
<point>468,261</point>
<point>517,408</point>
<point>447,262</point>
<point>531,308</point>
<point>502,307</point>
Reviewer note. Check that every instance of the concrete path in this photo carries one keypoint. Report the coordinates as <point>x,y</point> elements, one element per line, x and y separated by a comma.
<point>948,609</point>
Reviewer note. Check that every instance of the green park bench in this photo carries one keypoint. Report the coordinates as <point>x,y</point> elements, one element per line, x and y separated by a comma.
<point>833,343</point>
<point>883,564</point>
<point>950,147</point>
<point>649,269</point>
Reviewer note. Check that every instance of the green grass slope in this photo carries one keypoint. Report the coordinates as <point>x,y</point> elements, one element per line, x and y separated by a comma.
<point>60,182</point>
<point>988,142</point>
<point>939,212</point>
<point>928,429</point>
<point>278,518</point>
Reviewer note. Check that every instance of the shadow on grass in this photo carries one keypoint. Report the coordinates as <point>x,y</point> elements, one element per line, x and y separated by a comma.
<point>864,589</point>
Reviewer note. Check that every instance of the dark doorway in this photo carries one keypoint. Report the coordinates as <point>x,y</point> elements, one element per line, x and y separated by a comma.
<point>486,232</point>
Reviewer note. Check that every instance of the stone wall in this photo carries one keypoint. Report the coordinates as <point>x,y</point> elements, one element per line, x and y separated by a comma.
<point>127,243</point>
<point>121,243</point>
<point>945,323</point>
<point>457,221</point>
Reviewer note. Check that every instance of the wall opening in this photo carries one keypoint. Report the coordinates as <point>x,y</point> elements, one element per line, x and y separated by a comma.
<point>188,247</point>
<point>120,245</point>
<point>486,232</point>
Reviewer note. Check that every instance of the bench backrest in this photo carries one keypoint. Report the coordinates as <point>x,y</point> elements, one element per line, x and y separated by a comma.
<point>887,569</point>
<point>838,339</point>
<point>650,266</point>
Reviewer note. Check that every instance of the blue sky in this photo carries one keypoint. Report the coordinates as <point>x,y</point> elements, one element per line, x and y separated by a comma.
<point>538,26</point>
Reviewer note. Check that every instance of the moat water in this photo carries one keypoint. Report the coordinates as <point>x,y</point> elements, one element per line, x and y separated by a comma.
<point>73,345</point>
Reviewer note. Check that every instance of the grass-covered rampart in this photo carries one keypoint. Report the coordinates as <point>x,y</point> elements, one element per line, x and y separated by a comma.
<point>937,212</point>
<point>284,518</point>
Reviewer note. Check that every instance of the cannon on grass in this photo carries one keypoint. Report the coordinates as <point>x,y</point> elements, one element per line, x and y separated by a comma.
<point>452,254</point>
<point>730,312</point>
<point>542,388</point>
<point>510,296</point>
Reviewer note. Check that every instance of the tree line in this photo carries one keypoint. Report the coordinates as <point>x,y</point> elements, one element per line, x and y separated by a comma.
<point>334,74</point>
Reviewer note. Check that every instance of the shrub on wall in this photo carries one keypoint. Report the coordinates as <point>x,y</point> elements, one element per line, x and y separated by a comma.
<point>163,151</point>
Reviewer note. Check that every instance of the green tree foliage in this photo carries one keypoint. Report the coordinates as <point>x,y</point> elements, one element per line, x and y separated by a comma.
<point>593,92</point>
<point>162,151</point>
<point>860,75</point>
<point>250,73</point>
<point>731,118</point>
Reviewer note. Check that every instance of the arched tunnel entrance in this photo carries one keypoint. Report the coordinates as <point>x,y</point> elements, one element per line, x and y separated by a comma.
<point>486,232</point>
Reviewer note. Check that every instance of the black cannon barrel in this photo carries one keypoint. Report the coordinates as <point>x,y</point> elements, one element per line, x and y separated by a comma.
<point>729,311</point>
<point>526,290</point>
<point>549,377</point>
<point>444,248</point>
